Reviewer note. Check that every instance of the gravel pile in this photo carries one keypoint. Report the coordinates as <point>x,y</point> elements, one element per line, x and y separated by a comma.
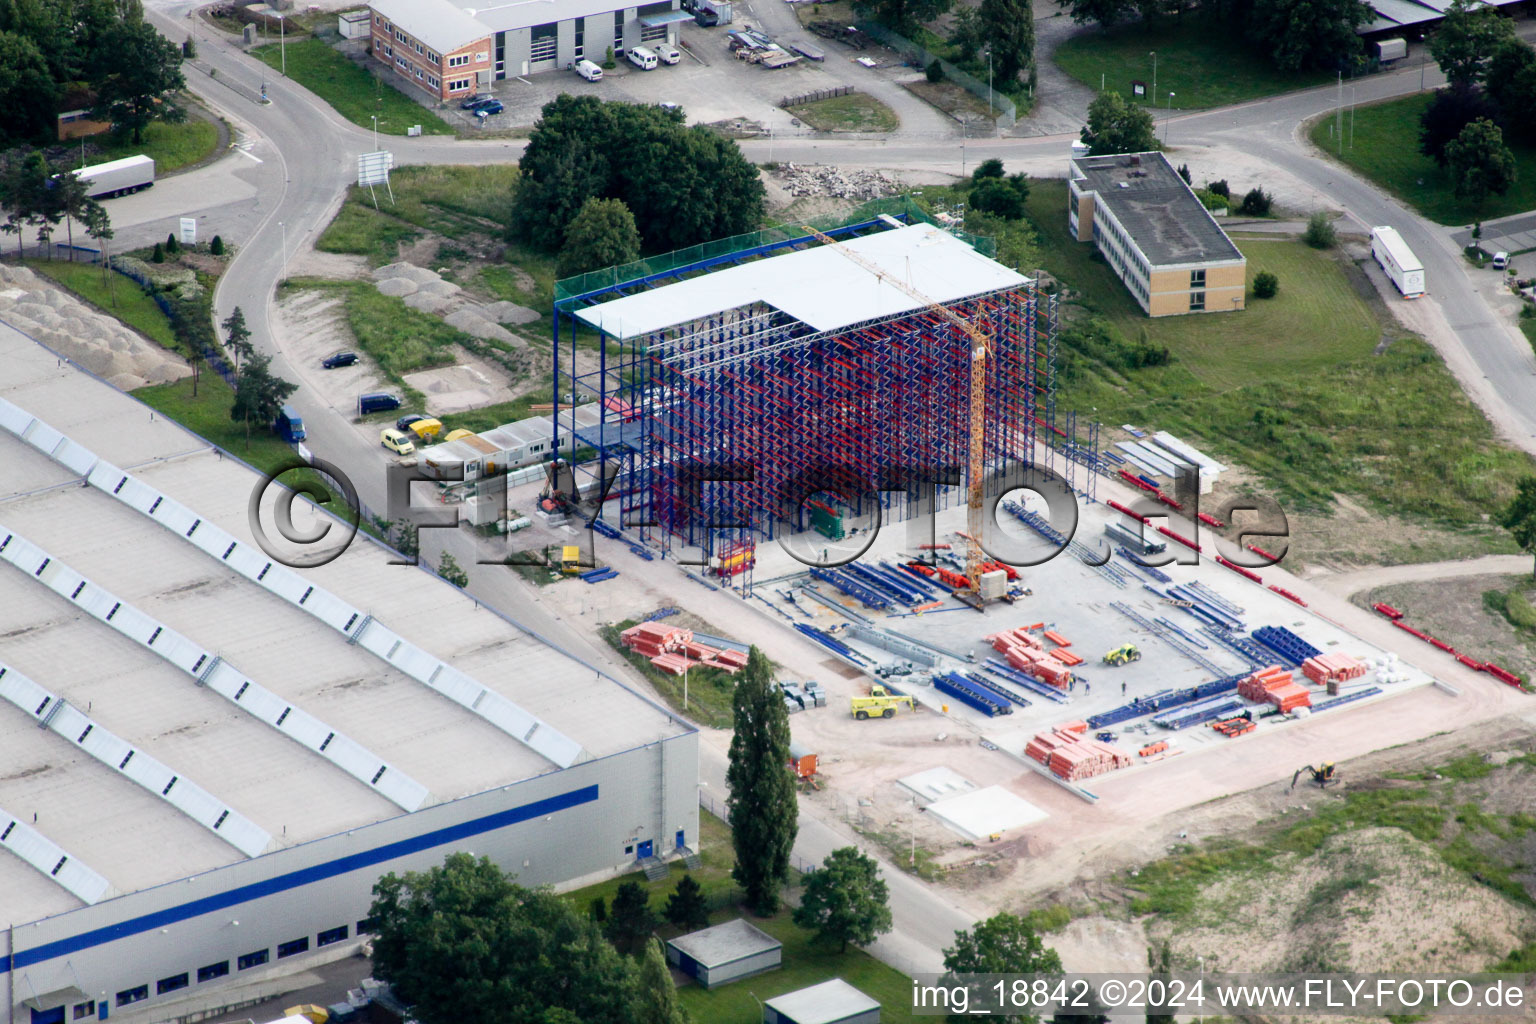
<point>100,344</point>
<point>839,182</point>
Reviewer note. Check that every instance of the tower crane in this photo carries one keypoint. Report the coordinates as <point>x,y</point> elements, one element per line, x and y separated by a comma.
<point>981,349</point>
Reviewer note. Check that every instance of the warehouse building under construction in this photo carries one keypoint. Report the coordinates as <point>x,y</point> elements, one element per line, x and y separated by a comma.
<point>788,384</point>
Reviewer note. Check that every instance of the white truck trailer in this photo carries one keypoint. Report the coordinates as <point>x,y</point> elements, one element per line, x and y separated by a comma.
<point>118,177</point>
<point>1401,265</point>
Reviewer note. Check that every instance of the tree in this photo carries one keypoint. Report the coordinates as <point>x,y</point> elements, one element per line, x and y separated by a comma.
<point>762,807</point>
<point>28,93</point>
<point>448,568</point>
<point>686,908</point>
<point>1480,163</point>
<point>1519,516</point>
<point>904,16</point>
<point>597,910</point>
<point>1308,33</point>
<point>602,234</point>
<point>964,36</point>
<point>157,254</point>
<point>991,167</point>
<point>98,225</point>
<point>1221,188</point>
<point>1256,203</point>
<point>1466,39</point>
<point>1115,126</point>
<point>845,900</point>
<point>1001,197</point>
<point>237,336</point>
<point>1008,26</point>
<point>934,72</point>
<point>1265,285</point>
<point>259,394</point>
<point>216,247</point>
<point>1160,963</point>
<point>463,942</point>
<point>630,919</point>
<point>1451,110</point>
<point>1002,944</point>
<point>1320,233</point>
<point>1511,84</point>
<point>1107,13</point>
<point>655,992</point>
<point>1184,173</point>
<point>139,67</point>
<point>70,196</point>
<point>172,246</point>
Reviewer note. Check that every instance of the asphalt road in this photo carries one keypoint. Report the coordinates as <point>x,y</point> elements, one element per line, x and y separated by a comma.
<point>297,157</point>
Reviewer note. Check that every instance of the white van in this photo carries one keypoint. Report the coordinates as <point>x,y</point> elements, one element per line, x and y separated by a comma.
<point>667,52</point>
<point>588,70</point>
<point>642,58</point>
<point>1500,260</point>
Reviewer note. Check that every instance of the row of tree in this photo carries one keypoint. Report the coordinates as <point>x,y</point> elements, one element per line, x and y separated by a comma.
<point>995,39</point>
<point>35,194</point>
<point>101,48</point>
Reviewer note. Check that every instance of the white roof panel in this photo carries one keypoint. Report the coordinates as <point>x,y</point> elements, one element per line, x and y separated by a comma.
<point>438,24</point>
<point>819,286</point>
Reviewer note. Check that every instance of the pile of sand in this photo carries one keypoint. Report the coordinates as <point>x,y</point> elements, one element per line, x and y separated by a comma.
<point>99,343</point>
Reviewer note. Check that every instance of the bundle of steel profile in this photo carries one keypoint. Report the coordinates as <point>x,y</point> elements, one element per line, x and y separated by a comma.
<point>1345,698</point>
<point>878,585</point>
<point>1167,637</point>
<point>911,574</point>
<point>997,688</point>
<point>1199,714</point>
<point>1035,522</point>
<point>832,643</point>
<point>826,602</point>
<point>1214,612</point>
<point>1163,700</point>
<point>1212,597</point>
<point>852,588</point>
<point>1208,616</point>
<point>983,698</point>
<point>1285,643</point>
<point>1251,652</point>
<point>605,529</point>
<point>1188,637</point>
<point>1008,673</point>
<point>1150,571</point>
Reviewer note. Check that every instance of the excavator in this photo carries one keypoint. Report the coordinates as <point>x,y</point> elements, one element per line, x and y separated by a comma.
<point>1323,775</point>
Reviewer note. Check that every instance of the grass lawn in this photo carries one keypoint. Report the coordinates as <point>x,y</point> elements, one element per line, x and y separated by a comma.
<point>855,112</point>
<point>805,962</point>
<point>400,339</point>
<point>1290,388</point>
<point>457,202</point>
<point>1529,327</point>
<point>1386,151</point>
<point>948,97</point>
<point>356,94</point>
<point>121,297</point>
<point>1202,64</point>
<point>172,146</point>
<point>709,689</point>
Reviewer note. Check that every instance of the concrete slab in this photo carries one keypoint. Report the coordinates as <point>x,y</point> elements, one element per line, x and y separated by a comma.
<point>986,812</point>
<point>938,784</point>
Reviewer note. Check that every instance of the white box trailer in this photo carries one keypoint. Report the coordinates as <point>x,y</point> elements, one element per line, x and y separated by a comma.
<point>117,177</point>
<point>1388,50</point>
<point>1401,265</point>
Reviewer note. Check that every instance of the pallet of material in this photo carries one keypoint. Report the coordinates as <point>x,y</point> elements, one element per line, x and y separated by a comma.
<point>698,651</point>
<point>656,634</point>
<point>1067,658</point>
<point>1261,683</point>
<point>673,664</point>
<point>1057,639</point>
<point>1290,697</point>
<point>727,659</point>
<point>1326,668</point>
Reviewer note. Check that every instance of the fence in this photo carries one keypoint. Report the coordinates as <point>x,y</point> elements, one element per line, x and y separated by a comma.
<point>819,94</point>
<point>1007,110</point>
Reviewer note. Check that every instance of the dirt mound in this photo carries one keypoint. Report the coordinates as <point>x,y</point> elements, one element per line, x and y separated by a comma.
<point>90,339</point>
<point>1373,899</point>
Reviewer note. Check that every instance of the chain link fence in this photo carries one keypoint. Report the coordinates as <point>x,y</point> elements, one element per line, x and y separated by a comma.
<point>1007,110</point>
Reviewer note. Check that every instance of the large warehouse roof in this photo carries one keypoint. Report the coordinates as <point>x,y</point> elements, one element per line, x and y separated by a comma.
<point>819,286</point>
<point>288,727</point>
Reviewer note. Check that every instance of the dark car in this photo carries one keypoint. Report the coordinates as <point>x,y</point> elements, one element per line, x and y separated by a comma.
<point>339,359</point>
<point>490,107</point>
<point>404,422</point>
<point>376,401</point>
<point>474,102</point>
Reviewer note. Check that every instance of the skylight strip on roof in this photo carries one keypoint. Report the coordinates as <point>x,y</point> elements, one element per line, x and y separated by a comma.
<point>42,853</point>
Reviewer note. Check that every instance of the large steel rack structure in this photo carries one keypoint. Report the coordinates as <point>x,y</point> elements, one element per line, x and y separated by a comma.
<point>722,425</point>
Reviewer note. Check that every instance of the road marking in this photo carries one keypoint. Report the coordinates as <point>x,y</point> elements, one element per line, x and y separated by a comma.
<point>243,147</point>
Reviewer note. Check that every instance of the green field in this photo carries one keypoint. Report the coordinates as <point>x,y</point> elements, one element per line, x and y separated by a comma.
<point>1529,327</point>
<point>1292,388</point>
<point>805,961</point>
<point>1202,63</point>
<point>354,93</point>
<point>1386,150</point>
<point>854,112</point>
<point>173,146</point>
<point>463,203</point>
<point>121,297</point>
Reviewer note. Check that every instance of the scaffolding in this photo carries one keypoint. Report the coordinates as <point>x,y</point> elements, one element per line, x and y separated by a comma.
<point>729,429</point>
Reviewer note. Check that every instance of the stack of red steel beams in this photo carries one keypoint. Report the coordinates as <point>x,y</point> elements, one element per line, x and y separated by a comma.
<point>1325,668</point>
<point>652,638</point>
<point>1387,610</point>
<point>1290,697</point>
<point>673,649</point>
<point>1071,755</point>
<point>1287,594</point>
<point>673,664</point>
<point>1057,639</point>
<point>1258,685</point>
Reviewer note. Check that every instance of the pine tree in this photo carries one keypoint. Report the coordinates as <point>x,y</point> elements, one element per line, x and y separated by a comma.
<point>630,919</point>
<point>655,992</point>
<point>686,908</point>
<point>237,336</point>
<point>762,807</point>
<point>448,568</point>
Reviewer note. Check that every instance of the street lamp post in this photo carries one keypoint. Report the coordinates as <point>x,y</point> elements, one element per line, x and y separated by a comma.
<point>282,42</point>
<point>1154,76</point>
<point>1167,119</point>
<point>284,228</point>
<point>375,132</point>
<point>989,81</point>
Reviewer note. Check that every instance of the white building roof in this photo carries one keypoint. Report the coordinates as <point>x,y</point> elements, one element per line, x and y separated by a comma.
<point>819,286</point>
<point>725,943</point>
<point>108,819</point>
<point>438,24</point>
<point>833,1000</point>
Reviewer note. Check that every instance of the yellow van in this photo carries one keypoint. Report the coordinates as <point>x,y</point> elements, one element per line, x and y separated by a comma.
<point>396,441</point>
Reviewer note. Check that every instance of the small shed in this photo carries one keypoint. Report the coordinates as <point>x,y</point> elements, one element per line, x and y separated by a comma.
<point>831,1002</point>
<point>354,24</point>
<point>727,952</point>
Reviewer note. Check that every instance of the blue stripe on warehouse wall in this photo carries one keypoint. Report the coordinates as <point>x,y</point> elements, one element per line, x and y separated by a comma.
<point>302,877</point>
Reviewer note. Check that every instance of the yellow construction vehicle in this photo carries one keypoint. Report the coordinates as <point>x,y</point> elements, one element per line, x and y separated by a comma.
<point>1323,775</point>
<point>1123,655</point>
<point>880,703</point>
<point>570,559</point>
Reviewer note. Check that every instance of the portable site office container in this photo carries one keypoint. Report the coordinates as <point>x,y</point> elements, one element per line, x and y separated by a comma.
<point>727,952</point>
<point>831,1002</point>
<point>1401,265</point>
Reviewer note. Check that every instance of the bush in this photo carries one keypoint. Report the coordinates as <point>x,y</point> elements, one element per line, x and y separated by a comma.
<point>171,245</point>
<point>934,72</point>
<point>1220,188</point>
<point>216,247</point>
<point>188,49</point>
<point>1184,173</point>
<point>1320,233</point>
<point>1519,610</point>
<point>608,62</point>
<point>158,255</point>
<point>991,167</point>
<point>1265,285</point>
<point>1256,203</point>
<point>1001,197</point>
<point>1212,200</point>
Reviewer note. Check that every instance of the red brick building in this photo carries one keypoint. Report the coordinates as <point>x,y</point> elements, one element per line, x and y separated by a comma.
<point>437,47</point>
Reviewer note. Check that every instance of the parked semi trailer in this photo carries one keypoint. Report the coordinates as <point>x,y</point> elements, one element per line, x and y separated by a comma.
<point>117,177</point>
<point>1401,265</point>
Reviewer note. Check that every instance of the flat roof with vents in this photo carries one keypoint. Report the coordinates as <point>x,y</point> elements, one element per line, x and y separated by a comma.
<point>135,837</point>
<point>1155,205</point>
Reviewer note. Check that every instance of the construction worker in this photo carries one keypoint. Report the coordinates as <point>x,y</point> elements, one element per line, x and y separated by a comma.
<point>1122,689</point>
<point>1087,687</point>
